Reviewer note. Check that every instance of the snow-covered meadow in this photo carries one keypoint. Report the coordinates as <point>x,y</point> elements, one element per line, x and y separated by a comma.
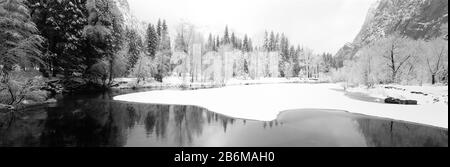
<point>265,102</point>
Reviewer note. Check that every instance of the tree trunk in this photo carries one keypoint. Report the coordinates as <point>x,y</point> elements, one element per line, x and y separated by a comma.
<point>393,77</point>
<point>433,79</point>
<point>111,62</point>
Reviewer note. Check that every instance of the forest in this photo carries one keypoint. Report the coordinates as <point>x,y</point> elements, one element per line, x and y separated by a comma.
<point>53,47</point>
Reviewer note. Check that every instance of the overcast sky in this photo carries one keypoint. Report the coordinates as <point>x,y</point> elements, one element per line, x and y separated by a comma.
<point>322,25</point>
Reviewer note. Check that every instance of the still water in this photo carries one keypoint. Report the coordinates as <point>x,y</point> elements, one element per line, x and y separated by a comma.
<point>95,120</point>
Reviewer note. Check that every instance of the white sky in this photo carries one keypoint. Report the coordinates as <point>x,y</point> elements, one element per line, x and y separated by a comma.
<point>322,25</point>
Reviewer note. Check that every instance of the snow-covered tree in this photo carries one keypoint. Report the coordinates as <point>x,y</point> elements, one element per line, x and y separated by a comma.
<point>233,40</point>
<point>162,58</point>
<point>266,44</point>
<point>152,41</point>
<point>143,68</point>
<point>392,48</point>
<point>19,39</point>
<point>436,58</point>
<point>135,47</point>
<point>272,42</point>
<point>105,30</point>
<point>159,28</point>
<point>226,37</point>
<point>210,45</point>
<point>245,45</point>
<point>65,21</point>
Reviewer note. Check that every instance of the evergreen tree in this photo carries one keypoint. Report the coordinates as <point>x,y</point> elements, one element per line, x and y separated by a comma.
<point>217,43</point>
<point>159,28</point>
<point>164,38</point>
<point>105,31</point>
<point>272,42</point>
<point>211,43</point>
<point>62,24</point>
<point>214,44</point>
<point>246,67</point>
<point>284,52</point>
<point>239,44</point>
<point>292,57</point>
<point>164,54</point>
<point>152,41</point>
<point>277,42</point>
<point>226,37</point>
<point>19,41</point>
<point>68,21</point>
<point>134,48</point>
<point>233,40</point>
<point>245,46</point>
<point>266,45</point>
<point>296,62</point>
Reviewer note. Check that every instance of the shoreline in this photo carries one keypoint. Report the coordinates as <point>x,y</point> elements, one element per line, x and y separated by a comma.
<point>207,85</point>
<point>261,107</point>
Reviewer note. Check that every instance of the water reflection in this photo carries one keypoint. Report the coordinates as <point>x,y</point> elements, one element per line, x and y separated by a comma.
<point>96,120</point>
<point>382,133</point>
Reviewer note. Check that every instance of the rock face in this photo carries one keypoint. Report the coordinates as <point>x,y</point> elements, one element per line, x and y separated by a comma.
<point>417,19</point>
<point>130,20</point>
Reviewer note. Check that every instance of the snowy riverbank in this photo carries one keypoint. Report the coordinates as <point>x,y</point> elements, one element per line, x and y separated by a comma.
<point>426,94</point>
<point>177,82</point>
<point>265,102</point>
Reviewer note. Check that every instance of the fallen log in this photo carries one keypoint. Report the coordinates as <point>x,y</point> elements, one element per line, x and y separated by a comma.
<point>391,100</point>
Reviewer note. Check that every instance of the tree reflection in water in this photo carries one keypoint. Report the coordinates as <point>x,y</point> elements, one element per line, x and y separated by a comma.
<point>97,120</point>
<point>382,133</point>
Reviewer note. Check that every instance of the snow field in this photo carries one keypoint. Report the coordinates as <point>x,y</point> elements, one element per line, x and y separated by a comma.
<point>265,102</point>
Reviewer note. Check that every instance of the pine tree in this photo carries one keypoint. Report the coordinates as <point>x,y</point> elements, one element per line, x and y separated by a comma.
<point>284,52</point>
<point>152,41</point>
<point>226,37</point>
<point>246,67</point>
<point>67,22</point>
<point>277,42</point>
<point>233,40</point>
<point>210,44</point>
<point>266,45</point>
<point>296,62</point>
<point>159,28</point>
<point>19,41</point>
<point>217,43</point>
<point>134,48</point>
<point>239,44</point>
<point>164,54</point>
<point>245,45</point>
<point>164,38</point>
<point>272,42</point>
<point>292,54</point>
<point>62,24</point>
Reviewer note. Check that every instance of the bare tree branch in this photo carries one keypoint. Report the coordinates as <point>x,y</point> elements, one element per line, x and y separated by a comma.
<point>403,62</point>
<point>439,60</point>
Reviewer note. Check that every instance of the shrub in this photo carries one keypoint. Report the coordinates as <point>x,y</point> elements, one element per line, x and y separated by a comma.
<point>18,86</point>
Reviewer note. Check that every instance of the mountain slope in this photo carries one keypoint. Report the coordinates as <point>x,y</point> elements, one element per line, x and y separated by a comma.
<point>130,21</point>
<point>417,19</point>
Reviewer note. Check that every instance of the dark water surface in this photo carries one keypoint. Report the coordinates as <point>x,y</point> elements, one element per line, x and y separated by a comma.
<point>93,120</point>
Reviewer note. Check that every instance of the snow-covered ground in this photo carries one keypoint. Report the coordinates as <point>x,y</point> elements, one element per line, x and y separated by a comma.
<point>265,102</point>
<point>178,82</point>
<point>426,94</point>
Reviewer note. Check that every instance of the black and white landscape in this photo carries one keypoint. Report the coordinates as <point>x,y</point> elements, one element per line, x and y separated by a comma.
<point>217,73</point>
